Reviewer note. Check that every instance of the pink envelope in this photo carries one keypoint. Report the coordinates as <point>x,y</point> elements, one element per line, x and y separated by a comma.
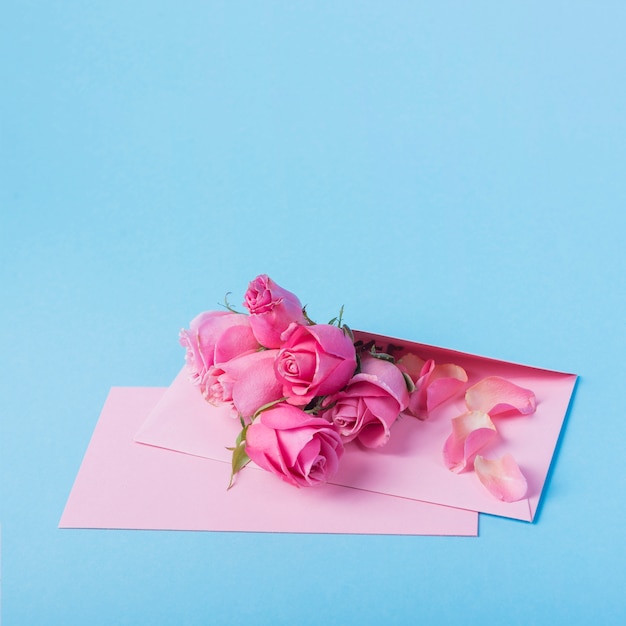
<point>123,484</point>
<point>411,464</point>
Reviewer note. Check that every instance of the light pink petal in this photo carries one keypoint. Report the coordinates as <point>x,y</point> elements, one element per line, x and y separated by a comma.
<point>502,477</point>
<point>434,385</point>
<point>412,365</point>
<point>470,433</point>
<point>418,400</point>
<point>495,395</point>
<point>444,381</point>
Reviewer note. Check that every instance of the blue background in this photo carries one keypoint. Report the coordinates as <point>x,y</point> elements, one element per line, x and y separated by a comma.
<point>452,172</point>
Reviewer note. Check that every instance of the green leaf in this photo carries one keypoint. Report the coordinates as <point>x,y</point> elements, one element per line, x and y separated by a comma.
<point>239,461</point>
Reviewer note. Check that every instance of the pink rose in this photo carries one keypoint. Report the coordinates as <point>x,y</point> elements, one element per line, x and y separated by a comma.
<point>247,382</point>
<point>215,337</point>
<point>370,404</point>
<point>272,309</point>
<point>301,449</point>
<point>314,361</point>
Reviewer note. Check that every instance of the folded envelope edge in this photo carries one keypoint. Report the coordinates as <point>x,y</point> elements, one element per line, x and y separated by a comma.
<point>462,353</point>
<point>88,519</point>
<point>536,503</point>
<point>92,438</point>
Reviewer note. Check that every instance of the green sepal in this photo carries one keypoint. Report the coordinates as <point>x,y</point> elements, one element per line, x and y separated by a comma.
<point>269,405</point>
<point>382,356</point>
<point>337,321</point>
<point>306,316</point>
<point>410,385</point>
<point>316,406</point>
<point>348,332</point>
<point>239,461</point>
<point>227,305</point>
<point>241,437</point>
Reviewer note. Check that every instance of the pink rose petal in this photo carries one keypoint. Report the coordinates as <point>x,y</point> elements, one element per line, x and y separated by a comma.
<point>501,477</point>
<point>301,449</point>
<point>372,401</point>
<point>418,400</point>
<point>314,361</point>
<point>272,309</point>
<point>496,396</point>
<point>445,380</point>
<point>434,384</point>
<point>247,381</point>
<point>256,385</point>
<point>412,365</point>
<point>470,433</point>
<point>214,337</point>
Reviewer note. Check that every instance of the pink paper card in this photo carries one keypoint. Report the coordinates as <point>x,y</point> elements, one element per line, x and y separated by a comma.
<point>411,464</point>
<point>124,484</point>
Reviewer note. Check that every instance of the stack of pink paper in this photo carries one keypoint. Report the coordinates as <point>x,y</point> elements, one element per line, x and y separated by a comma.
<point>158,459</point>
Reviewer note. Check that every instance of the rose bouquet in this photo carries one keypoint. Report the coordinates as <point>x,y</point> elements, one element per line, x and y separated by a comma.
<point>302,391</point>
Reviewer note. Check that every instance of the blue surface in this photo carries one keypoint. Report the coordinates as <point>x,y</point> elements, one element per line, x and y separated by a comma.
<point>452,174</point>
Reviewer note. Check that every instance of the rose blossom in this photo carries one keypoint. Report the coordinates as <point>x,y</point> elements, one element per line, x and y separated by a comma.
<point>247,382</point>
<point>314,361</point>
<point>301,449</point>
<point>272,309</point>
<point>215,337</point>
<point>370,404</point>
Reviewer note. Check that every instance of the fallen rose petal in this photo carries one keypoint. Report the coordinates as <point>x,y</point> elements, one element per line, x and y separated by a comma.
<point>501,477</point>
<point>418,400</point>
<point>412,365</point>
<point>495,395</point>
<point>470,433</point>
<point>433,385</point>
<point>444,381</point>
